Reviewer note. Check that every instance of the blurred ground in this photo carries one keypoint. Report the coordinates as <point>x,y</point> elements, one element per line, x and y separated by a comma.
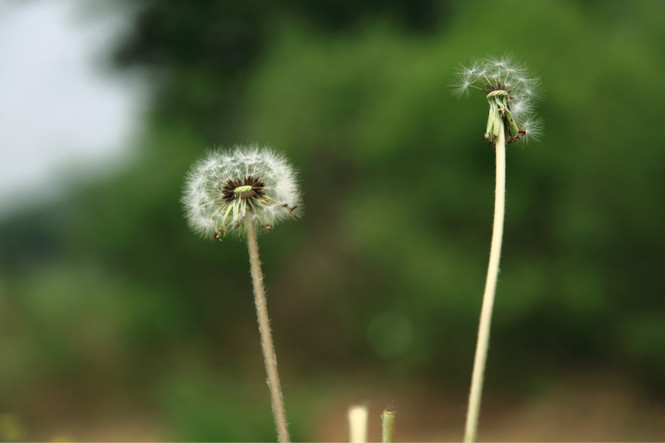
<point>589,407</point>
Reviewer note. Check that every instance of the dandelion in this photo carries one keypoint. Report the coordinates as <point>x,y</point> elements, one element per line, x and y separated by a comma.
<point>242,191</point>
<point>510,92</point>
<point>228,190</point>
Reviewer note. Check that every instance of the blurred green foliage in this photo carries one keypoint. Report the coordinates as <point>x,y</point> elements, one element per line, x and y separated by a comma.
<point>384,273</point>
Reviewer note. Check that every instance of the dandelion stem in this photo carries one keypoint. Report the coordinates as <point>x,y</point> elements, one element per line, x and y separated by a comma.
<point>358,424</point>
<point>269,356</point>
<point>490,290</point>
<point>388,426</point>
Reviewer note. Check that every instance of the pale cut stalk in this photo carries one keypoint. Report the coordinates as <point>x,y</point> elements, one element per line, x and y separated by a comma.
<point>269,356</point>
<point>482,344</point>
<point>358,424</point>
<point>388,426</point>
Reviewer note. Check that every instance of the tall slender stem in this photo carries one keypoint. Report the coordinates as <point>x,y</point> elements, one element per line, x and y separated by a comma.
<point>490,290</point>
<point>269,356</point>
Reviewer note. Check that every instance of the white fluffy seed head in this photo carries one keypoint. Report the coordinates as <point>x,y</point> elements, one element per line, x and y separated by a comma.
<point>227,189</point>
<point>504,73</point>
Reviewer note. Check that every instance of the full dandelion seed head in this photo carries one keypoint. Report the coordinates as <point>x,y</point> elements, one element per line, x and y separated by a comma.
<point>227,189</point>
<point>510,92</point>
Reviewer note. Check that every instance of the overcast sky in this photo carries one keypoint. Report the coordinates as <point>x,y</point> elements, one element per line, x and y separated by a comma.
<point>61,112</point>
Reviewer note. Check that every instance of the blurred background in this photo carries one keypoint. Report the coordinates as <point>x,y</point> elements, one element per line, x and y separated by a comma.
<point>117,323</point>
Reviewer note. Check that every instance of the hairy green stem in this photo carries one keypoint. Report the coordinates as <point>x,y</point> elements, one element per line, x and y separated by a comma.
<point>482,344</point>
<point>269,356</point>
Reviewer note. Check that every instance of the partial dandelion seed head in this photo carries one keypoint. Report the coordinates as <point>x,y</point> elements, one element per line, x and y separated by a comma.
<point>227,189</point>
<point>510,91</point>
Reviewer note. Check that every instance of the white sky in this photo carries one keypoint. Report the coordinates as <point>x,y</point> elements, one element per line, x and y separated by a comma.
<point>61,113</point>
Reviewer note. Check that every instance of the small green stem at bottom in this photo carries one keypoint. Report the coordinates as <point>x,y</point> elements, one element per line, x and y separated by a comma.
<point>388,426</point>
